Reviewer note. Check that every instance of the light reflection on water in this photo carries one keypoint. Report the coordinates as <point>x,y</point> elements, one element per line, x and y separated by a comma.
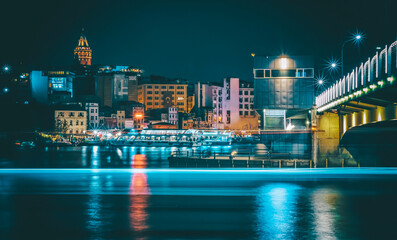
<point>94,208</point>
<point>277,210</point>
<point>324,203</point>
<point>168,204</point>
<point>139,192</point>
<point>111,157</point>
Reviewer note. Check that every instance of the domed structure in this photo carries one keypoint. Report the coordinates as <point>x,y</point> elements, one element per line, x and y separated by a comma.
<point>83,52</point>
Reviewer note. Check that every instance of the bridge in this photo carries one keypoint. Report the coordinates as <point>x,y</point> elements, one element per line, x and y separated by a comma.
<point>360,106</point>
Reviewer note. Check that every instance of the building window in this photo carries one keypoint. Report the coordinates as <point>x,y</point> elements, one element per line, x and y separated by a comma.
<point>149,86</point>
<point>71,123</point>
<point>149,103</point>
<point>246,106</point>
<point>252,113</point>
<point>81,123</point>
<point>180,93</point>
<point>246,100</point>
<point>240,105</point>
<point>180,87</point>
<point>259,74</point>
<point>251,92</point>
<point>308,73</point>
<point>149,92</point>
<point>149,98</point>
<point>156,92</point>
<point>240,92</point>
<point>156,87</point>
<point>245,92</point>
<point>92,110</point>
<point>240,100</point>
<point>241,113</point>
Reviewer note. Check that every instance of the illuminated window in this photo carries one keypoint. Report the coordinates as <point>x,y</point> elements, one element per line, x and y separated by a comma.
<point>283,63</point>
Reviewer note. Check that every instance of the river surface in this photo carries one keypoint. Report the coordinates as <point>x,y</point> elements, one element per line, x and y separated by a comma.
<point>130,193</point>
<point>108,157</point>
<point>198,204</point>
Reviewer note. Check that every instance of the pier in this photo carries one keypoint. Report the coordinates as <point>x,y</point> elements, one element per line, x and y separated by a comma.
<point>202,159</point>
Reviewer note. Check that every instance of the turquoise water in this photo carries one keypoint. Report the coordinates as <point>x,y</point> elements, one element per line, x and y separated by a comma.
<point>197,203</point>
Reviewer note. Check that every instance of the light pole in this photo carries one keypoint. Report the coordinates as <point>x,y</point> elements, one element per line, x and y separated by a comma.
<point>356,38</point>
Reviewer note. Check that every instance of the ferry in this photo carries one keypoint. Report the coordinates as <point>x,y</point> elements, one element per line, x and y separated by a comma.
<point>177,138</point>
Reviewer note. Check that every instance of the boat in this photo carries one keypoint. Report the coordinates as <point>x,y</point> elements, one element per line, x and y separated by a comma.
<point>175,138</point>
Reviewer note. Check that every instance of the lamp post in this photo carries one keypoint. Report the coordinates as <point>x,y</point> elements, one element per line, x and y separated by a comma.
<point>356,38</point>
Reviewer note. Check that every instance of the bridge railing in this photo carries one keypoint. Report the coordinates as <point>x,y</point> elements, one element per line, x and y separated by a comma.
<point>372,74</point>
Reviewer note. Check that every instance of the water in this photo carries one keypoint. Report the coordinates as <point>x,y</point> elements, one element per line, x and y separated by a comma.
<point>197,204</point>
<point>107,157</point>
<point>130,193</point>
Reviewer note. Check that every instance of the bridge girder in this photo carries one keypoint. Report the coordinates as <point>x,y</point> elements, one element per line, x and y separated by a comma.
<point>361,105</point>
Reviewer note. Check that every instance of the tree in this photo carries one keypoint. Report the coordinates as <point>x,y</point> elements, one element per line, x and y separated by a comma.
<point>62,126</point>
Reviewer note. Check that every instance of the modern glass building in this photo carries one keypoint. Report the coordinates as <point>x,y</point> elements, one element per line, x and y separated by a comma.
<point>283,89</point>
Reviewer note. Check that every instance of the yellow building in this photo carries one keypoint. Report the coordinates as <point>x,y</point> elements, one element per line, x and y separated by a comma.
<point>190,103</point>
<point>164,95</point>
<point>71,119</point>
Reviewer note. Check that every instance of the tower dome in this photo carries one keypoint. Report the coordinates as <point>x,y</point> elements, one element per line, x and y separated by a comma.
<point>83,52</point>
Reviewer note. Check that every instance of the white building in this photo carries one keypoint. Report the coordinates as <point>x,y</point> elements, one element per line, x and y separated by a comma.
<point>92,109</point>
<point>170,116</point>
<point>173,115</point>
<point>232,104</point>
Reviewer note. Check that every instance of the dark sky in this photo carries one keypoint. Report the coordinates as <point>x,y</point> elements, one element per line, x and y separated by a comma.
<point>197,40</point>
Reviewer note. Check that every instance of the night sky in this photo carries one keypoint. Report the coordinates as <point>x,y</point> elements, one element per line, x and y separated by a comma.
<point>196,40</point>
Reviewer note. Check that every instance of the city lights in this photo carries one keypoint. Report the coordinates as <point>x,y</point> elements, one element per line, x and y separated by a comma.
<point>283,63</point>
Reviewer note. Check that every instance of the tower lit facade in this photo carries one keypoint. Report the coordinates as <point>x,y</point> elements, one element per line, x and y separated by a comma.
<point>83,52</point>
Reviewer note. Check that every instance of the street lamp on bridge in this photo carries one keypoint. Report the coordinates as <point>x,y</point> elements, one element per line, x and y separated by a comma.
<point>356,38</point>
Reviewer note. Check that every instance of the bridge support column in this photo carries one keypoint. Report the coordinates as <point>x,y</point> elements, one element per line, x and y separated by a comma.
<point>314,136</point>
<point>328,136</point>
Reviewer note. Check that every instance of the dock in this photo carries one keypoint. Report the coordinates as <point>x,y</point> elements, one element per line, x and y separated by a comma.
<point>179,160</point>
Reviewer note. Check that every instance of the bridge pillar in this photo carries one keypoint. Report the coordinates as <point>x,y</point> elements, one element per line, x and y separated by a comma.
<point>328,136</point>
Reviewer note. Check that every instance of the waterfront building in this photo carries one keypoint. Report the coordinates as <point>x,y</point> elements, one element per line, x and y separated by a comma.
<point>173,115</point>
<point>92,109</point>
<point>170,115</point>
<point>120,119</point>
<point>91,105</point>
<point>83,52</point>
<point>70,119</point>
<point>130,114</point>
<point>52,87</point>
<point>284,91</point>
<point>159,92</point>
<point>115,84</point>
<point>190,103</point>
<point>232,103</point>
